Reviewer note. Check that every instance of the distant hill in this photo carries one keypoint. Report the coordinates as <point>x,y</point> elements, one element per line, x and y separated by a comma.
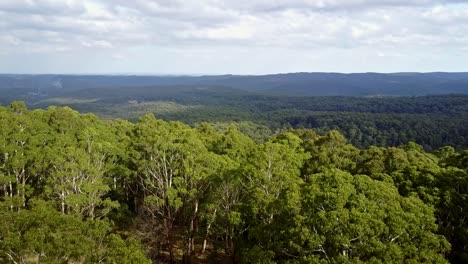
<point>368,108</point>
<point>355,84</point>
<point>24,87</point>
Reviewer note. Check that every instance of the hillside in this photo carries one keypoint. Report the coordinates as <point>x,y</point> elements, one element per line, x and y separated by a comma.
<point>297,84</point>
<point>432,121</point>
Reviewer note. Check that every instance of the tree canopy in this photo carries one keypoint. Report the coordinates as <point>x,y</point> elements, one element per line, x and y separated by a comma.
<point>78,189</point>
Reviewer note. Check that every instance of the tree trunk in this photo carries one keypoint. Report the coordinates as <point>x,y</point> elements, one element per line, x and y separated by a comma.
<point>170,245</point>
<point>205,240</point>
<point>190,246</point>
<point>204,244</point>
<point>229,245</point>
<point>170,248</point>
<point>191,240</point>
<point>63,201</point>
<point>11,195</point>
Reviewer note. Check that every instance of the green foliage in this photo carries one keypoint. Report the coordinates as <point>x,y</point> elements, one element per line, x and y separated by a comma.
<point>367,220</point>
<point>431,121</point>
<point>64,158</point>
<point>178,193</point>
<point>45,235</point>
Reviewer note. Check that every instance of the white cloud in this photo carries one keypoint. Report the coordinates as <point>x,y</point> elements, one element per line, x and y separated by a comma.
<point>96,44</point>
<point>447,14</point>
<point>364,29</point>
<point>44,7</point>
<point>354,27</point>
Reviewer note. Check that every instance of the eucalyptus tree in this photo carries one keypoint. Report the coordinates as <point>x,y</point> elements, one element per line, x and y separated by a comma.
<point>226,201</point>
<point>355,218</point>
<point>273,183</point>
<point>452,207</point>
<point>329,151</point>
<point>41,234</point>
<point>79,158</point>
<point>22,137</point>
<point>174,170</point>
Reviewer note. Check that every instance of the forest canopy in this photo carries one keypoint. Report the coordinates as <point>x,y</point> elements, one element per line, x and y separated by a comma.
<point>75,188</point>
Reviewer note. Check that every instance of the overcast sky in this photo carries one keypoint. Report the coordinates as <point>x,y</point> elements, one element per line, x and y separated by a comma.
<point>232,36</point>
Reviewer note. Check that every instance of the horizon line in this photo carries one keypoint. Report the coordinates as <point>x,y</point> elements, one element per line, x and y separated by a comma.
<point>144,74</point>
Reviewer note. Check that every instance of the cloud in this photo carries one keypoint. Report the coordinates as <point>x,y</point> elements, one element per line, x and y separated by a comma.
<point>151,26</point>
<point>42,7</point>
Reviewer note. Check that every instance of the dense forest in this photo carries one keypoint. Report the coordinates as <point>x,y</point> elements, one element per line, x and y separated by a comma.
<point>285,84</point>
<point>431,121</point>
<point>369,109</point>
<point>79,189</point>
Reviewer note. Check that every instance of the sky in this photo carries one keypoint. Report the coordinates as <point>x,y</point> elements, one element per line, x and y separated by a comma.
<point>232,37</point>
